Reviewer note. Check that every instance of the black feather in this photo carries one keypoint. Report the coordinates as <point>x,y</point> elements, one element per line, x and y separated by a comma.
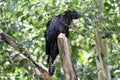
<point>55,26</point>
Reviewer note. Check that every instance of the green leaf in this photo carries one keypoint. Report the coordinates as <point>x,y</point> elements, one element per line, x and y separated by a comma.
<point>40,18</point>
<point>14,27</point>
<point>31,21</point>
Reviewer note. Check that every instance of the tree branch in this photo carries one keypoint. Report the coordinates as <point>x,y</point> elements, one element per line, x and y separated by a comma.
<point>12,42</point>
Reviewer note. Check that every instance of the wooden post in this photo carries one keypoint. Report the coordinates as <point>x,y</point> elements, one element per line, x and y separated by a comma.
<point>102,55</point>
<point>65,58</point>
<point>101,48</point>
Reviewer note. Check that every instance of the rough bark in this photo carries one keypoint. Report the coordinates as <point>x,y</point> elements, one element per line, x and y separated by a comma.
<point>102,55</point>
<point>66,58</point>
<point>101,48</point>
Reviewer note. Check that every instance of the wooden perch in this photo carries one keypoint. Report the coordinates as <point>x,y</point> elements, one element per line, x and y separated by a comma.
<point>65,58</point>
<point>20,57</point>
<point>40,68</point>
<point>101,48</point>
<point>102,54</point>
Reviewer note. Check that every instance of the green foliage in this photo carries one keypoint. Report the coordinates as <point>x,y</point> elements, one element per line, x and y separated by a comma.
<point>26,20</point>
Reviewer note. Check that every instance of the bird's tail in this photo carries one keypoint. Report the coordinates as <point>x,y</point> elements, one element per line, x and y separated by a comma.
<point>51,68</point>
<point>51,63</point>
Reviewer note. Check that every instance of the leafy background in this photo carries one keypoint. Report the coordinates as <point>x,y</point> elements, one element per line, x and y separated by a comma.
<point>26,20</point>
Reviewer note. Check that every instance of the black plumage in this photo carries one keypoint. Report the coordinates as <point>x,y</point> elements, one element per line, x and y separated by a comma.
<point>58,24</point>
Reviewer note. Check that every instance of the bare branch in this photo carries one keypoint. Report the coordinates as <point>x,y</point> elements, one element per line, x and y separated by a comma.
<point>12,42</point>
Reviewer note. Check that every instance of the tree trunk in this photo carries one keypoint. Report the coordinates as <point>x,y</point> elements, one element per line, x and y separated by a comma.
<point>65,58</point>
<point>101,48</point>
